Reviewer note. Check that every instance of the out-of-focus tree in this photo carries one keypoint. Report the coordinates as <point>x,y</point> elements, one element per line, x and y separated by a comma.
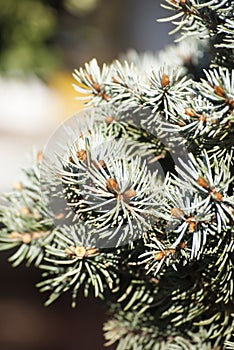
<point>26,27</point>
<point>29,30</point>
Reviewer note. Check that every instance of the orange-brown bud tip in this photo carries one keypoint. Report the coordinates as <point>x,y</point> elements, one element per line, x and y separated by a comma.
<point>18,186</point>
<point>129,194</point>
<point>218,196</point>
<point>190,112</point>
<point>39,156</point>
<point>82,154</point>
<point>177,213</point>
<point>26,238</point>
<point>91,251</point>
<point>109,119</point>
<point>165,81</point>
<point>219,91</point>
<point>192,226</point>
<point>203,183</point>
<point>112,185</point>
<point>80,251</point>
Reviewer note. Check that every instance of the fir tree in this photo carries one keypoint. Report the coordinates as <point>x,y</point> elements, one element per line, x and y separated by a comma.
<point>133,201</point>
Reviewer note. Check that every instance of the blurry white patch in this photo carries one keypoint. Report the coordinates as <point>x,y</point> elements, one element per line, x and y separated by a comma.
<point>29,112</point>
<point>27,106</point>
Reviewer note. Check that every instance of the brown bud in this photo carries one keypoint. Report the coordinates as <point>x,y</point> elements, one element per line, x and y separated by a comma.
<point>39,156</point>
<point>112,185</point>
<point>109,119</point>
<point>36,235</point>
<point>25,211</point>
<point>71,160</point>
<point>154,280</point>
<point>218,196</point>
<point>70,250</point>
<point>26,238</point>
<point>18,186</point>
<point>105,97</point>
<point>159,255</point>
<point>219,91</point>
<point>82,154</point>
<point>59,216</point>
<point>181,122</point>
<point>165,81</point>
<point>190,112</point>
<point>91,251</point>
<point>177,213</point>
<point>15,235</point>
<point>192,226</point>
<point>102,163</point>
<point>183,245</point>
<point>80,252</point>
<point>203,183</point>
<point>97,87</point>
<point>129,194</point>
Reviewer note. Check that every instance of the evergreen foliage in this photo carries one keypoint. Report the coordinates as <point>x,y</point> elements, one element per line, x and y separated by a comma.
<point>148,190</point>
<point>29,31</point>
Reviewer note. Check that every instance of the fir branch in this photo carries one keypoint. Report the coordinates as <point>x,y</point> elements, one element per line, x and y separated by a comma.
<point>72,261</point>
<point>92,81</point>
<point>133,331</point>
<point>205,19</point>
<point>152,235</point>
<point>166,90</point>
<point>26,221</point>
<point>213,182</point>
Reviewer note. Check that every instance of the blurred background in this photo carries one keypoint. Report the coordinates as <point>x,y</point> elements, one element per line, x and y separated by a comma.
<point>41,43</point>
